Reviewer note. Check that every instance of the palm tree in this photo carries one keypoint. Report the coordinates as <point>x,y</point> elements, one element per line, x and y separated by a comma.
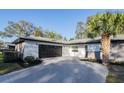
<point>105,25</point>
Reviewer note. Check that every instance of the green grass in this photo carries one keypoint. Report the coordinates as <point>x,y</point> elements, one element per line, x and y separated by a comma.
<point>0,53</point>
<point>112,78</point>
<point>1,57</point>
<point>8,67</point>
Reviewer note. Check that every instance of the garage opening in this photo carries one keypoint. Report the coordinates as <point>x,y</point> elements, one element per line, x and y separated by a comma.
<point>49,51</point>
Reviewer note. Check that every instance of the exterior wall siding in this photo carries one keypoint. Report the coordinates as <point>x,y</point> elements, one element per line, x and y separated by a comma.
<point>65,51</point>
<point>31,48</point>
<point>70,50</point>
<point>19,48</point>
<point>93,51</point>
<point>117,51</point>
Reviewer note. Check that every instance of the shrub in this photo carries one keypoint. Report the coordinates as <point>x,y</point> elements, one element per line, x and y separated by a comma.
<point>30,60</point>
<point>37,61</point>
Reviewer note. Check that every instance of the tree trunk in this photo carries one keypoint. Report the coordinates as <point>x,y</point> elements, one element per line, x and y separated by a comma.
<point>105,48</point>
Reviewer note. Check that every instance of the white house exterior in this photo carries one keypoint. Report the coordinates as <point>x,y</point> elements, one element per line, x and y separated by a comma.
<point>85,48</point>
<point>27,46</point>
<point>74,50</point>
<point>30,46</point>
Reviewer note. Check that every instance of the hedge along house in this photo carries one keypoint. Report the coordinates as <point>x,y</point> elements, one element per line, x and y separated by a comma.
<point>84,48</point>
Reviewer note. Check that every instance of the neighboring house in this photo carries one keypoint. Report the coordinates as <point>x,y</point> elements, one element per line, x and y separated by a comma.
<point>84,48</point>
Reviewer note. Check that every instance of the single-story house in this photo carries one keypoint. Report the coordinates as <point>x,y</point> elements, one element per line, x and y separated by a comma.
<point>85,48</point>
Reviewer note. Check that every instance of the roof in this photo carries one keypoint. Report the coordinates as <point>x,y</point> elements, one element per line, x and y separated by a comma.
<point>41,39</point>
<point>11,44</point>
<point>79,41</point>
<point>83,41</point>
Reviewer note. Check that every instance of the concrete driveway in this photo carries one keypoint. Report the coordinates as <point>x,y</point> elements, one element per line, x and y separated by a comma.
<point>59,70</point>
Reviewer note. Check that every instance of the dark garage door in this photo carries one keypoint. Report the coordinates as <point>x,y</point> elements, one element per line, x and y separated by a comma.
<point>49,51</point>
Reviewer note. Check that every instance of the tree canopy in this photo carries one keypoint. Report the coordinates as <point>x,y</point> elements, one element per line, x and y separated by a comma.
<point>80,31</point>
<point>21,28</point>
<point>111,23</point>
<point>1,44</point>
<point>38,32</point>
<point>25,28</point>
<point>52,35</point>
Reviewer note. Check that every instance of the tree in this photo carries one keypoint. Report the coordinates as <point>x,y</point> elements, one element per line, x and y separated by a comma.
<point>80,30</point>
<point>38,32</point>
<point>105,25</point>
<point>58,36</point>
<point>21,28</point>
<point>65,39</point>
<point>52,35</point>
<point>1,44</point>
<point>71,39</point>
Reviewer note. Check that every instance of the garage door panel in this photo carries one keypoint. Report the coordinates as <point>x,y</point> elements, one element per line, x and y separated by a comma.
<point>49,51</point>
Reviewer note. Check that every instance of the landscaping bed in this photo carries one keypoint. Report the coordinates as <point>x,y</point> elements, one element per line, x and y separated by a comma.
<point>116,73</point>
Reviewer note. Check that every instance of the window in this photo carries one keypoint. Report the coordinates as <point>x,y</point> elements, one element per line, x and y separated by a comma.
<point>93,47</point>
<point>74,48</point>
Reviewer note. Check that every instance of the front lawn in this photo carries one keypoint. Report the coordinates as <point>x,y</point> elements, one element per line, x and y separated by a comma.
<point>8,67</point>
